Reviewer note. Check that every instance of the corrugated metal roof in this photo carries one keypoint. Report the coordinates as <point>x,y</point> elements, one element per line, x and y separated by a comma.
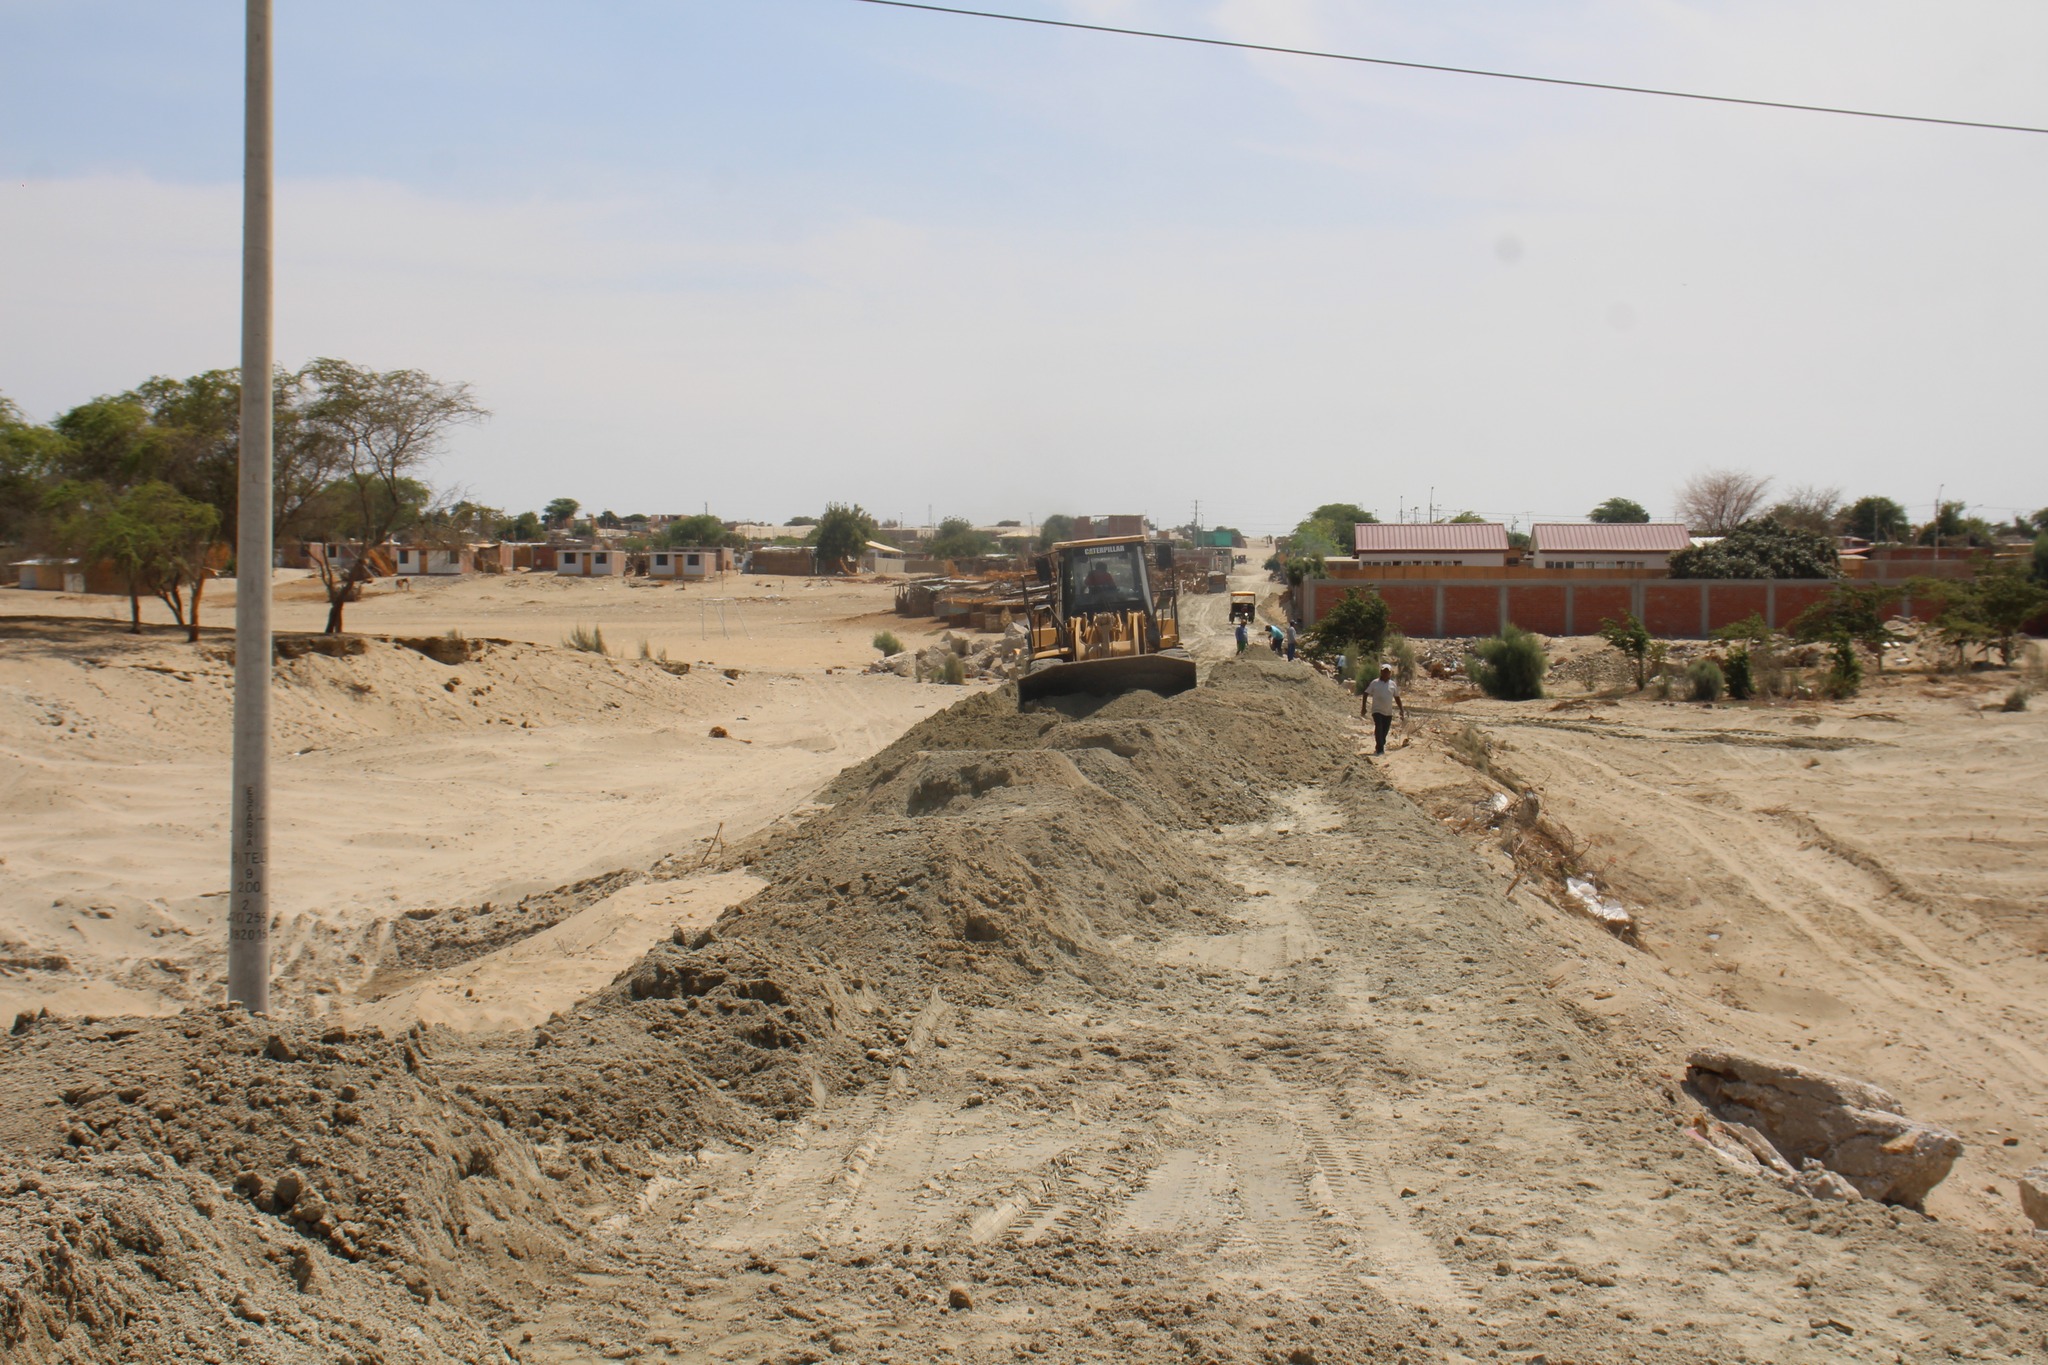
<point>1402,537</point>
<point>1610,537</point>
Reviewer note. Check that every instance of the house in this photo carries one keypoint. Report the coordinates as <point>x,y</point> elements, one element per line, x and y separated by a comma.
<point>424,559</point>
<point>493,556</point>
<point>1122,524</point>
<point>775,559</point>
<point>341,556</point>
<point>1606,544</point>
<point>48,574</point>
<point>1482,544</point>
<point>592,563</point>
<point>882,559</point>
<point>687,562</point>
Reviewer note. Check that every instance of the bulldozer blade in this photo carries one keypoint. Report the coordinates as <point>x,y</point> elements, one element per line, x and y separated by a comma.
<point>1165,674</point>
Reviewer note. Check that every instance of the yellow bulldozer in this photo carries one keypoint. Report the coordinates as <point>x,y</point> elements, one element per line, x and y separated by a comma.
<point>1104,618</point>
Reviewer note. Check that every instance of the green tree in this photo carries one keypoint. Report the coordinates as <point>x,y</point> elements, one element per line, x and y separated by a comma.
<point>1054,529</point>
<point>1759,548</point>
<point>1357,626</point>
<point>957,539</point>
<point>801,521</point>
<point>2040,561</point>
<point>2005,600</point>
<point>1328,529</point>
<point>1619,509</point>
<point>386,427</point>
<point>1630,637</point>
<point>1466,518</point>
<point>1876,519</point>
<point>702,529</point>
<point>525,526</point>
<point>559,511</point>
<point>1952,526</point>
<point>842,533</point>
<point>154,535</point>
<point>31,458</point>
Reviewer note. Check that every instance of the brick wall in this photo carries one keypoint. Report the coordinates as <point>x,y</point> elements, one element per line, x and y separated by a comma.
<point>1670,608</point>
<point>1538,607</point>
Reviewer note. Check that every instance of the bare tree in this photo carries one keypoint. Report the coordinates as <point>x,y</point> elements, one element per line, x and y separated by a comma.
<point>1809,507</point>
<point>383,428</point>
<point>1717,501</point>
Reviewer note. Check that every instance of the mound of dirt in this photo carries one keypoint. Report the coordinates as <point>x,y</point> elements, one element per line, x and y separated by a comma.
<point>183,1183</point>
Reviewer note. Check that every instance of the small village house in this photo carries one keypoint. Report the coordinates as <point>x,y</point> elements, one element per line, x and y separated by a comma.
<point>425,559</point>
<point>689,563</point>
<point>602,562</point>
<point>1475,544</point>
<point>1606,545</point>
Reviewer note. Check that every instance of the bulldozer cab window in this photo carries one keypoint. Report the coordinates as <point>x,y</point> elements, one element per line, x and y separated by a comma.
<point>1104,578</point>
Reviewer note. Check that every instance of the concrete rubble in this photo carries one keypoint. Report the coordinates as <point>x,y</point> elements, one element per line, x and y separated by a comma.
<point>1809,1118</point>
<point>981,659</point>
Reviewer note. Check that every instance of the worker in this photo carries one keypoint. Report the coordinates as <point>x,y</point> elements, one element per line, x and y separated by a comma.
<point>1244,637</point>
<point>1274,637</point>
<point>1099,578</point>
<point>1382,698</point>
<point>1293,638</point>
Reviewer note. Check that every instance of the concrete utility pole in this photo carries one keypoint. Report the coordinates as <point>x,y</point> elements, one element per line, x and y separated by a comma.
<point>249,831</point>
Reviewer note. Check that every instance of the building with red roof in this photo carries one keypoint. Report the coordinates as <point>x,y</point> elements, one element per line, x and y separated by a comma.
<point>1606,544</point>
<point>1480,543</point>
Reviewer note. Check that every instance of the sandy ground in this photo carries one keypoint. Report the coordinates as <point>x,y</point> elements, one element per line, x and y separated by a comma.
<point>1858,882</point>
<point>1171,1030</point>
<point>402,784</point>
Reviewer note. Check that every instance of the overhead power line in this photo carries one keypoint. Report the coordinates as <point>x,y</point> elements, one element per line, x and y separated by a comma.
<point>1454,70</point>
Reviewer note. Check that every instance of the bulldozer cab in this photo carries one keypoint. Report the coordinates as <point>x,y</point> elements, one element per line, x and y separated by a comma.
<point>1100,578</point>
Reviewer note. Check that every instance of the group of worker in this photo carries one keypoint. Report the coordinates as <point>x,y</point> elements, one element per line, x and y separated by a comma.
<point>1284,642</point>
<point>1381,698</point>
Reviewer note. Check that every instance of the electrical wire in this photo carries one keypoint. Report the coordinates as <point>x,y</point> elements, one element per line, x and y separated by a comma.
<point>1454,70</point>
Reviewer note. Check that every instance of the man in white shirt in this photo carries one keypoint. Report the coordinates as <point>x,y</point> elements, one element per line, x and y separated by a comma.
<point>1382,698</point>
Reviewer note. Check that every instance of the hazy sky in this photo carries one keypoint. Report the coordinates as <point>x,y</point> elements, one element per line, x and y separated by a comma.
<point>764,253</point>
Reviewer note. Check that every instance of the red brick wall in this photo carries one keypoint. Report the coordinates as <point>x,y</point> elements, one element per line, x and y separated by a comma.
<point>1795,598</point>
<point>1672,609</point>
<point>1411,607</point>
<point>1539,608</point>
<point>1732,602</point>
<point>1471,609</point>
<point>1591,605</point>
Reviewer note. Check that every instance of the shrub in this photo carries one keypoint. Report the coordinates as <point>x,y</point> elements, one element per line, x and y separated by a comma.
<point>1736,674</point>
<point>1760,548</point>
<point>887,642</point>
<point>1400,652</point>
<point>1660,670</point>
<point>2017,699</point>
<point>1706,680</point>
<point>953,671</point>
<point>1509,666</point>
<point>588,639</point>
<point>1355,627</point>
<point>1629,636</point>
<point>652,655</point>
<point>1845,671</point>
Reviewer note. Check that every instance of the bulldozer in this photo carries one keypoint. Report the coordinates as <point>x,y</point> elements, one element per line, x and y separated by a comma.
<point>1104,618</point>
